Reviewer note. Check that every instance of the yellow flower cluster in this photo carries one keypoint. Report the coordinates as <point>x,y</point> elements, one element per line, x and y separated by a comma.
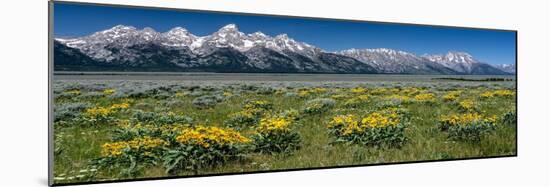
<point>303,93</point>
<point>379,91</point>
<point>487,94</point>
<point>503,93</point>
<point>424,97</point>
<point>306,92</point>
<point>108,91</point>
<point>207,136</point>
<point>257,104</point>
<point>358,90</point>
<point>467,105</point>
<point>349,124</point>
<point>274,124</point>
<point>377,120</point>
<point>99,112</point>
<point>113,149</point>
<point>363,97</point>
<point>319,90</point>
<point>105,111</point>
<point>497,93</point>
<point>143,143</point>
<point>343,121</point>
<point>466,119</point>
<point>120,106</point>
<point>451,96</point>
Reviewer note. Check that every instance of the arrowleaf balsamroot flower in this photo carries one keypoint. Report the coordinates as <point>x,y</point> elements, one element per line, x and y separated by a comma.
<point>208,136</point>
<point>467,105</point>
<point>274,124</point>
<point>425,97</point>
<point>384,127</point>
<point>144,143</point>
<point>467,127</point>
<point>466,119</point>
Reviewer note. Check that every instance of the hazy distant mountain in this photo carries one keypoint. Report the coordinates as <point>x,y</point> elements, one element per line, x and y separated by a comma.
<point>125,48</point>
<point>464,63</point>
<point>510,68</point>
<point>397,62</point>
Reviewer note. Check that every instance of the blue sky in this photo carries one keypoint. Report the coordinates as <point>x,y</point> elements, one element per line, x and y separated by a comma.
<point>490,46</point>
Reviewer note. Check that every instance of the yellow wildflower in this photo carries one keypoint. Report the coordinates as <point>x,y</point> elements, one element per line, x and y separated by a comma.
<point>207,136</point>
<point>143,143</point>
<point>358,90</point>
<point>319,90</point>
<point>465,119</point>
<point>451,96</point>
<point>303,93</point>
<point>377,120</point>
<point>425,97</point>
<point>274,124</point>
<point>98,112</point>
<point>108,91</point>
<point>467,105</point>
<point>120,106</point>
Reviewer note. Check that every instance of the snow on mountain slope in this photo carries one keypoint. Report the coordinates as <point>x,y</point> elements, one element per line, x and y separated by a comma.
<point>230,48</point>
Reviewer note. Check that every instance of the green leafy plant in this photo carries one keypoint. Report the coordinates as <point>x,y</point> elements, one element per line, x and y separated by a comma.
<point>274,135</point>
<point>130,156</point>
<point>379,128</point>
<point>469,127</point>
<point>510,119</point>
<point>201,146</point>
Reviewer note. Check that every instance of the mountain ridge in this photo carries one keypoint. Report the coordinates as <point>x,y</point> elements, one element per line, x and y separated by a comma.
<point>230,50</point>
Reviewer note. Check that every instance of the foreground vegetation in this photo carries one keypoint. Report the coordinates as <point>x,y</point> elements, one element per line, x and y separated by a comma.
<point>141,129</point>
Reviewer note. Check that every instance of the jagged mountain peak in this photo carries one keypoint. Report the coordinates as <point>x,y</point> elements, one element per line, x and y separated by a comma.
<point>458,56</point>
<point>112,33</point>
<point>178,31</point>
<point>453,57</point>
<point>117,30</point>
<point>386,51</point>
<point>229,33</point>
<point>259,34</point>
<point>121,27</point>
<point>229,28</point>
<point>390,51</point>
<point>283,36</point>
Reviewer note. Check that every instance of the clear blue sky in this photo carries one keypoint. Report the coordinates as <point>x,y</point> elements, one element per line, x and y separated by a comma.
<point>490,46</point>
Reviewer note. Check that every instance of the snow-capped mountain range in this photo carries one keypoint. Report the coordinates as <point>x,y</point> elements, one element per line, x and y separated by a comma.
<point>510,68</point>
<point>125,48</point>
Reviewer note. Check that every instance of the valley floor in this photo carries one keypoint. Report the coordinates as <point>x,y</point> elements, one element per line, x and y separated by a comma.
<point>111,129</point>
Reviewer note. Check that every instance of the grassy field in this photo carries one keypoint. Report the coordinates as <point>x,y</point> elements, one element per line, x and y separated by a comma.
<point>109,130</point>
